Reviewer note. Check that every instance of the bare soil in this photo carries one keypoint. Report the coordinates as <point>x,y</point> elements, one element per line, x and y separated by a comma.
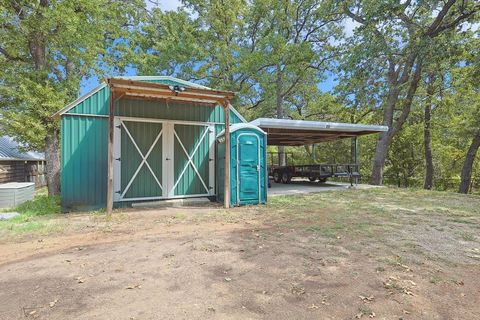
<point>341,255</point>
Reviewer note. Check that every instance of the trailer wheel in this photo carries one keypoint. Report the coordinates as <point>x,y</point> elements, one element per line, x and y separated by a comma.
<point>322,180</point>
<point>312,179</point>
<point>286,178</point>
<point>276,177</point>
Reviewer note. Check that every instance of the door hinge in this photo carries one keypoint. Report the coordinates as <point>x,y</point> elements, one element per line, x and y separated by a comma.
<point>118,159</point>
<point>119,126</point>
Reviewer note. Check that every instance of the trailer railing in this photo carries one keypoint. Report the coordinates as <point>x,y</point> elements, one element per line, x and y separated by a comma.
<point>313,172</point>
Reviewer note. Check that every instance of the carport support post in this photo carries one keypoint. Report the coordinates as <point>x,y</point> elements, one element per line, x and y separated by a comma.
<point>110,156</point>
<point>354,151</point>
<point>354,158</point>
<point>226,191</point>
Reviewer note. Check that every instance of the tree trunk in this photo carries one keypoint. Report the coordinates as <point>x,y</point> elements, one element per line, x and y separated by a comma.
<point>282,159</point>
<point>468,164</point>
<point>428,184</point>
<point>52,159</point>
<point>379,160</point>
<point>381,150</point>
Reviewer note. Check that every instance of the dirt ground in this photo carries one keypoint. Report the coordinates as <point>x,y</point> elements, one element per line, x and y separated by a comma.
<point>353,254</point>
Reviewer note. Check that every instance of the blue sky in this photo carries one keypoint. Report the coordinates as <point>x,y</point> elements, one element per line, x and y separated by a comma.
<point>90,83</point>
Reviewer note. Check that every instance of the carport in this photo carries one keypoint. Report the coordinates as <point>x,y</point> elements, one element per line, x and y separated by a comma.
<point>287,132</point>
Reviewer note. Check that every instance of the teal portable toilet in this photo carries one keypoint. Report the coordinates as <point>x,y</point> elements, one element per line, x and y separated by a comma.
<point>248,164</point>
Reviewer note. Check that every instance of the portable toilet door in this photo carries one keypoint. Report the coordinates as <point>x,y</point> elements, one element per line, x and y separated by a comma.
<point>249,173</point>
<point>248,166</point>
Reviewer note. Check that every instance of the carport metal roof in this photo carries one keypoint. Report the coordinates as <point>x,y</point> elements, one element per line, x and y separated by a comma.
<point>288,132</point>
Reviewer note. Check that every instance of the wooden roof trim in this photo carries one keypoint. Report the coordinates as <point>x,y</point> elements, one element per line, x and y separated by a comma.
<point>137,85</point>
<point>149,96</point>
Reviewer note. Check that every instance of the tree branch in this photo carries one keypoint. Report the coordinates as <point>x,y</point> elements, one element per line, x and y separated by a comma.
<point>11,57</point>
<point>412,89</point>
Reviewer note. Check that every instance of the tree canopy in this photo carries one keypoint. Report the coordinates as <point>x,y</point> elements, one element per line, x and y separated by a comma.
<point>410,65</point>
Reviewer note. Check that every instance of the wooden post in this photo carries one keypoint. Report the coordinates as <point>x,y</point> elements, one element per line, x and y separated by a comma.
<point>110,155</point>
<point>227,156</point>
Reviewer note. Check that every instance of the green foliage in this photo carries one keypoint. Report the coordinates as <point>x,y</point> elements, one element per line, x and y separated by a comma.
<point>46,47</point>
<point>41,205</point>
<point>35,215</point>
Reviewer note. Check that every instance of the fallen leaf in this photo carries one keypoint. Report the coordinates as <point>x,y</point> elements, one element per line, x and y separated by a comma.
<point>134,286</point>
<point>52,304</point>
<point>359,315</point>
<point>228,279</point>
<point>367,299</point>
<point>313,306</point>
<point>407,268</point>
<point>406,312</point>
<point>410,293</point>
<point>372,315</point>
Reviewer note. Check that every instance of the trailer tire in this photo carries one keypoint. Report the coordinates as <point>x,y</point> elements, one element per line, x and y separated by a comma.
<point>276,177</point>
<point>322,180</point>
<point>312,179</point>
<point>286,178</point>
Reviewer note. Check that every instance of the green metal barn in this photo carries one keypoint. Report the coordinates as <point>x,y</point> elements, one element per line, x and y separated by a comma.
<point>163,142</point>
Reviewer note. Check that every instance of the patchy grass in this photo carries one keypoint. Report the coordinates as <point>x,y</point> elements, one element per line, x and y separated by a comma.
<point>35,216</point>
<point>414,224</point>
<point>467,236</point>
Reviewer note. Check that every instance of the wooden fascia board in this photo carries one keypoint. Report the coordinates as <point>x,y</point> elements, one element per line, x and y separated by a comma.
<point>122,83</point>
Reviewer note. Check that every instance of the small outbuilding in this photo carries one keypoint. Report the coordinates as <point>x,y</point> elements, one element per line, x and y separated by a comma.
<point>17,165</point>
<point>135,139</point>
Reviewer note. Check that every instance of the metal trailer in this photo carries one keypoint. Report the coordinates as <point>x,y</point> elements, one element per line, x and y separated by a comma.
<point>314,172</point>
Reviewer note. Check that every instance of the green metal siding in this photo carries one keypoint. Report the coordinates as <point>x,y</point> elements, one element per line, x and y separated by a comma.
<point>96,104</point>
<point>84,162</point>
<point>172,111</point>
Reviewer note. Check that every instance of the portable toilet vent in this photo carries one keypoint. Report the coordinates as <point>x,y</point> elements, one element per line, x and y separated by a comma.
<point>248,166</point>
